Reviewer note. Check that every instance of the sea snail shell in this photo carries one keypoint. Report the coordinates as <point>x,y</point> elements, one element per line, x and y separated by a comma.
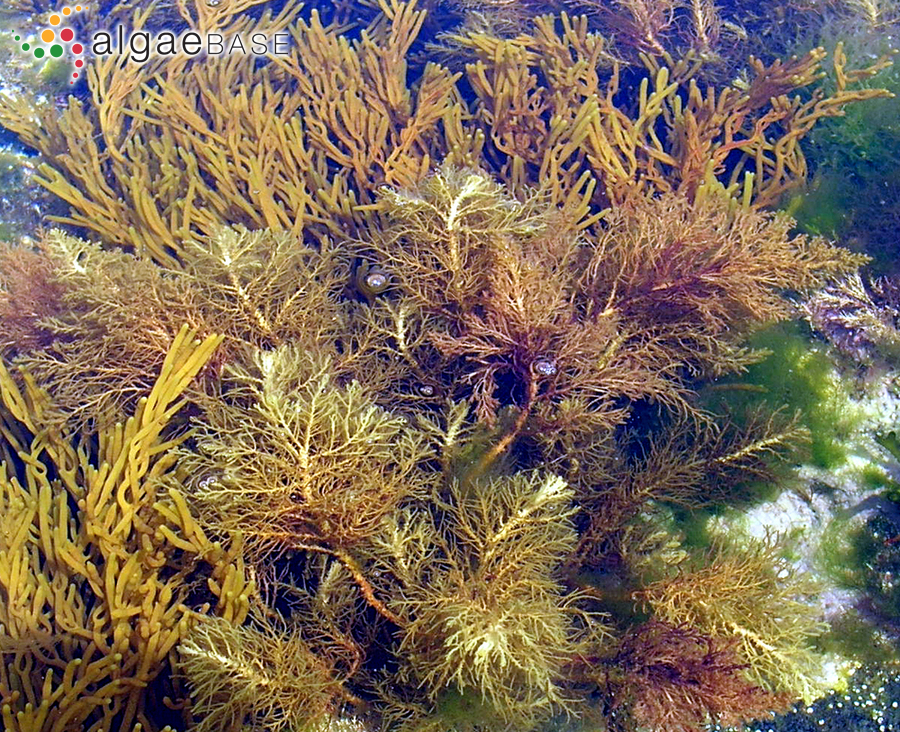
<point>544,366</point>
<point>371,280</point>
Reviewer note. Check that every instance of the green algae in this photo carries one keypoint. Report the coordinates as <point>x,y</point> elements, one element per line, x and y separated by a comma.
<point>798,377</point>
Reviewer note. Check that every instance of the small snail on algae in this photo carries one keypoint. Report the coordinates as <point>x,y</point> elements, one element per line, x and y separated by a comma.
<point>371,280</point>
<point>544,367</point>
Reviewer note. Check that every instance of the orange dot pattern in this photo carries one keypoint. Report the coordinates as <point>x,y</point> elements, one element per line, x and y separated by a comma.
<point>48,35</point>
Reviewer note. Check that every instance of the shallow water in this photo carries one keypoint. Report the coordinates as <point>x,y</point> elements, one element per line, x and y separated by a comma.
<point>450,366</point>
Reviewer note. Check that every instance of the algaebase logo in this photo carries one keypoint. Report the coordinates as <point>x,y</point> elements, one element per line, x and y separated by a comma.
<point>56,38</point>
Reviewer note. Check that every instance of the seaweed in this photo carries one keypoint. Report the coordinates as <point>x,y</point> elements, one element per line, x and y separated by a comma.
<point>374,400</point>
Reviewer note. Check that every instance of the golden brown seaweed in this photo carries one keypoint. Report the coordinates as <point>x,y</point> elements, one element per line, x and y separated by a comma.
<point>97,562</point>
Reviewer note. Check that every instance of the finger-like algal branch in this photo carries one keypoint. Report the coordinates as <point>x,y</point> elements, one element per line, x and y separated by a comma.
<point>99,566</point>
